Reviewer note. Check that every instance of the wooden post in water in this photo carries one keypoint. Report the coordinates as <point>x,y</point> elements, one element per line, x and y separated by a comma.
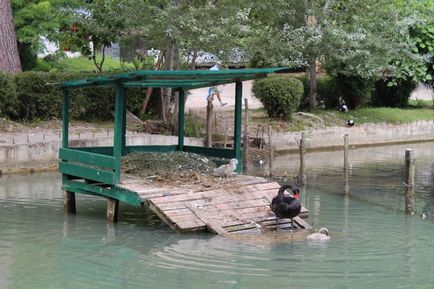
<point>346,165</point>
<point>301,174</point>
<point>409,181</point>
<point>112,210</point>
<point>270,155</point>
<point>69,202</point>
<point>209,109</point>
<point>246,135</point>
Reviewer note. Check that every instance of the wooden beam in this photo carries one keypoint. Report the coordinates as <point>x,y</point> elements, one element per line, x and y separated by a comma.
<point>211,225</point>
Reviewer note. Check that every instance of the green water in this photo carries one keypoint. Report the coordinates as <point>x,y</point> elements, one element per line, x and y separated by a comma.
<point>374,245</point>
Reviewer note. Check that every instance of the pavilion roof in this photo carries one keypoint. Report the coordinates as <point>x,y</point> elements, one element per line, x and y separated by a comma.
<point>179,79</point>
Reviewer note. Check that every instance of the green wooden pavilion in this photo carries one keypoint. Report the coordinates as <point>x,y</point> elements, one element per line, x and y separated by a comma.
<point>97,170</point>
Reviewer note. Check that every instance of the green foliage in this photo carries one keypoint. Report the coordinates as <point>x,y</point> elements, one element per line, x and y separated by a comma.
<point>8,96</point>
<point>327,91</point>
<point>392,96</point>
<point>36,96</point>
<point>28,57</point>
<point>279,95</point>
<point>355,90</point>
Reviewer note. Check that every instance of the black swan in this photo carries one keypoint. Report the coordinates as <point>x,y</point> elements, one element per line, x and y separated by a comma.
<point>322,235</point>
<point>285,206</point>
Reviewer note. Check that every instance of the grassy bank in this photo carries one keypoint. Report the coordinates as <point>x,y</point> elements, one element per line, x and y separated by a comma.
<point>321,118</point>
<point>83,63</point>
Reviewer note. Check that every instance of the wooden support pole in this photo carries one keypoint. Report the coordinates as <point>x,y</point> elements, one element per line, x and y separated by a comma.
<point>65,119</point>
<point>302,149</point>
<point>208,137</point>
<point>246,135</point>
<point>237,123</point>
<point>112,210</point>
<point>69,202</point>
<point>346,164</point>
<point>409,181</point>
<point>119,138</point>
<point>181,120</point>
<point>270,152</point>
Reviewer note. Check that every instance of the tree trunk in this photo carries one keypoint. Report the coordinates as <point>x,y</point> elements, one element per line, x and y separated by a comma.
<point>149,90</point>
<point>312,84</point>
<point>175,66</point>
<point>167,92</point>
<point>209,109</point>
<point>9,57</point>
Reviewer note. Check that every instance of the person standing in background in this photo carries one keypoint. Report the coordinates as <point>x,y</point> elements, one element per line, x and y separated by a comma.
<point>215,90</point>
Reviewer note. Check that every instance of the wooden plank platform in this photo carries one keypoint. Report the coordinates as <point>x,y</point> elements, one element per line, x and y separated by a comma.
<point>237,204</point>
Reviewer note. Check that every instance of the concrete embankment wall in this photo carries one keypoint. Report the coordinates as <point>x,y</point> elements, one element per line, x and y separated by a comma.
<point>43,155</point>
<point>333,137</point>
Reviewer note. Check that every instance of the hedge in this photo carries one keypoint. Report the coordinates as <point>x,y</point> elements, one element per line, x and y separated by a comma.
<point>8,96</point>
<point>36,96</point>
<point>393,96</point>
<point>280,95</point>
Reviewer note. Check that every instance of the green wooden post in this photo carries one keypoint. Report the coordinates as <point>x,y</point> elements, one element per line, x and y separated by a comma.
<point>68,197</point>
<point>181,114</point>
<point>119,130</point>
<point>124,123</point>
<point>65,119</point>
<point>237,123</point>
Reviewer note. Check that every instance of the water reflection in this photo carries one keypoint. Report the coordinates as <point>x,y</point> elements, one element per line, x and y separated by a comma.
<point>373,243</point>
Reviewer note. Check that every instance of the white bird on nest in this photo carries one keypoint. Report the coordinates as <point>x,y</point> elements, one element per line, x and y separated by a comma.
<point>322,235</point>
<point>228,169</point>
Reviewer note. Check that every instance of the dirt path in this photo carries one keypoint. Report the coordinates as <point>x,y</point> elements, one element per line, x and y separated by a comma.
<point>197,98</point>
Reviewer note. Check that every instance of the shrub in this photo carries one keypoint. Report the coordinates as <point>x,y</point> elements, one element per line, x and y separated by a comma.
<point>279,95</point>
<point>393,96</point>
<point>8,96</point>
<point>36,96</point>
<point>327,91</point>
<point>355,90</point>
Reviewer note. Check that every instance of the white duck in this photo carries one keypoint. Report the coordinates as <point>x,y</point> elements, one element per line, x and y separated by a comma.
<point>228,169</point>
<point>322,235</point>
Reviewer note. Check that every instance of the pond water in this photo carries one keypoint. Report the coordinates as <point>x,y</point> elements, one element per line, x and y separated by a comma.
<point>374,244</point>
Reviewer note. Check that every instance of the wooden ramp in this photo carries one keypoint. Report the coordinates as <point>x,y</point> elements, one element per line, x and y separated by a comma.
<point>236,204</point>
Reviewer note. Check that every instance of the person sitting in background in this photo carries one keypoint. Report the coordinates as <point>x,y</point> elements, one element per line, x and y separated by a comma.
<point>342,106</point>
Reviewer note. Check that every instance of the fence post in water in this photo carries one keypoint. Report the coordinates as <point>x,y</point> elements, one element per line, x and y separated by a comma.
<point>69,202</point>
<point>246,135</point>
<point>112,210</point>
<point>270,155</point>
<point>301,174</point>
<point>346,164</point>
<point>409,181</point>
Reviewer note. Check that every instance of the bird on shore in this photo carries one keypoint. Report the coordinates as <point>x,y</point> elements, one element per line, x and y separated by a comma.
<point>321,235</point>
<point>286,206</point>
<point>350,122</point>
<point>228,169</point>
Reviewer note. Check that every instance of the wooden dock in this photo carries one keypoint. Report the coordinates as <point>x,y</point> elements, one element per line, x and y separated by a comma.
<point>237,204</point>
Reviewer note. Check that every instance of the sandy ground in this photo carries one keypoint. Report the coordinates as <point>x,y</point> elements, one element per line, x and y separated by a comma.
<point>197,97</point>
<point>13,133</point>
<point>422,92</point>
